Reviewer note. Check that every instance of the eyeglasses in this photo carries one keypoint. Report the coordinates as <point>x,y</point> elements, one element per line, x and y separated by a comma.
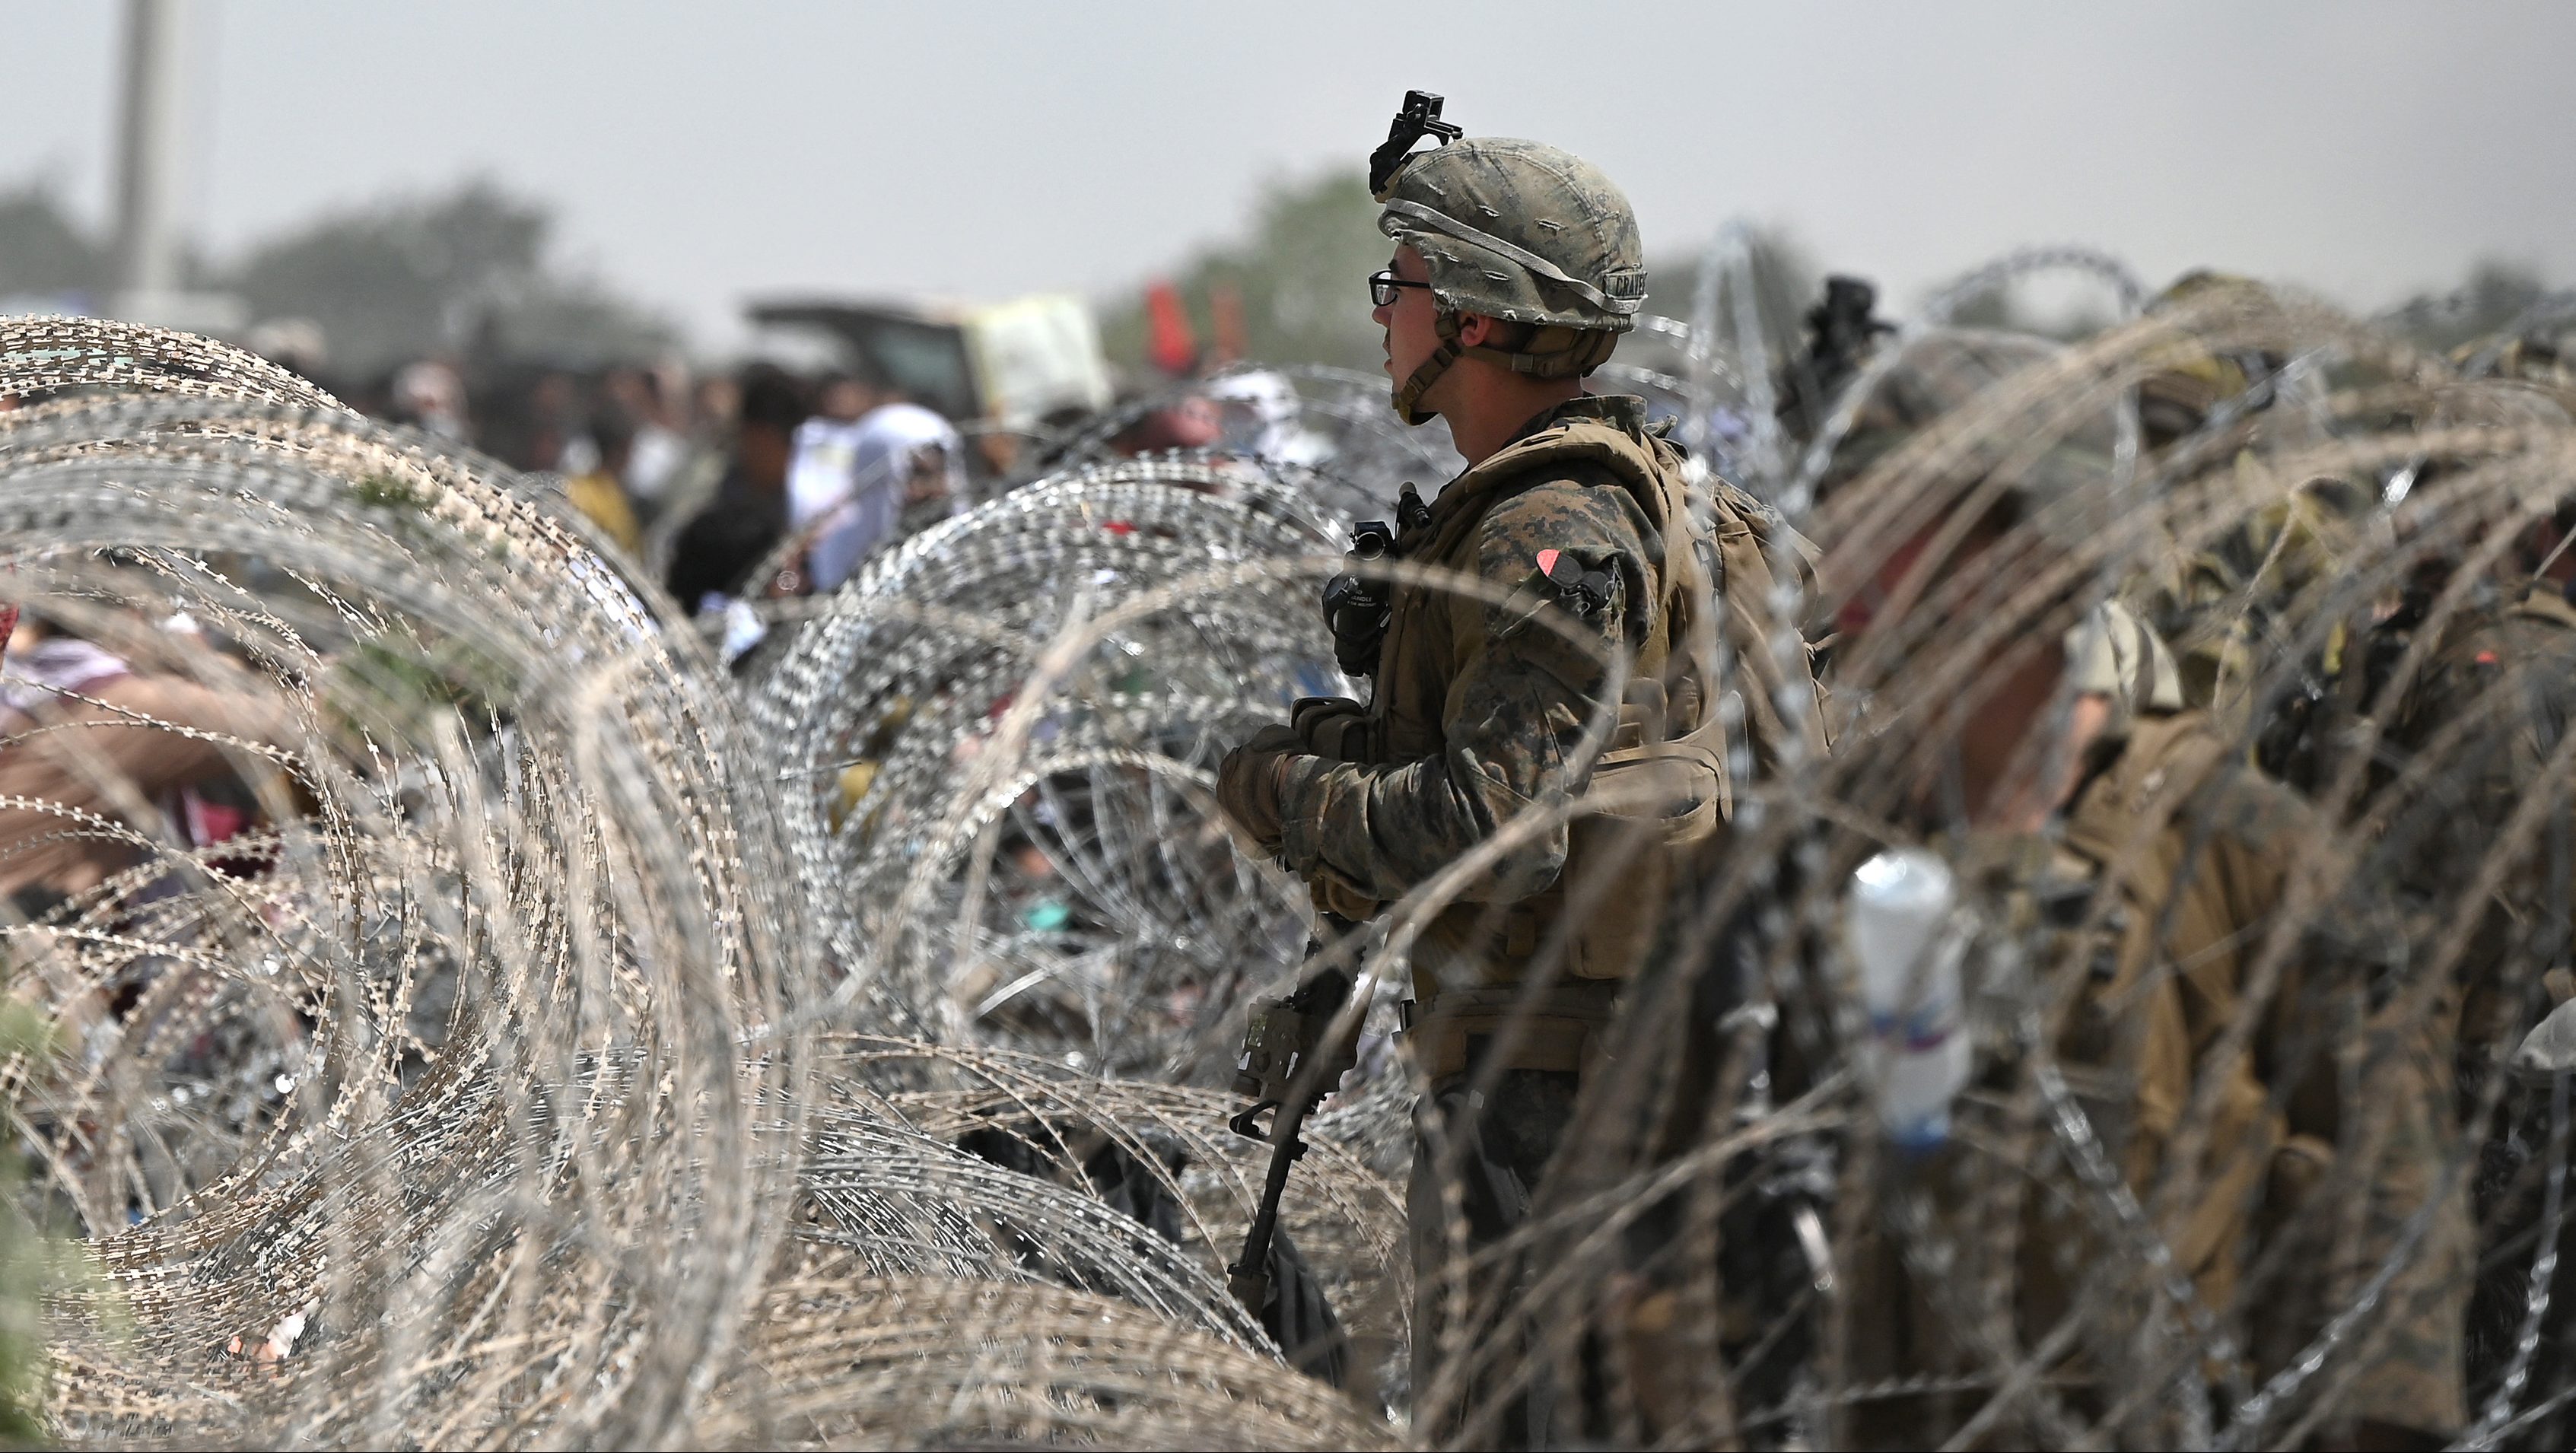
<point>1384,282</point>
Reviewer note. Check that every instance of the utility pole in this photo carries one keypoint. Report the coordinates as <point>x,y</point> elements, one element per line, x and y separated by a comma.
<point>148,150</point>
<point>152,151</point>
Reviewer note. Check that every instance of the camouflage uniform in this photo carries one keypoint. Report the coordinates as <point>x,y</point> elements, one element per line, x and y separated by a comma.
<point>2230,608</point>
<point>2494,699</point>
<point>2262,1162</point>
<point>1585,673</point>
<point>2193,846</point>
<point>1480,716</point>
<point>1483,706</point>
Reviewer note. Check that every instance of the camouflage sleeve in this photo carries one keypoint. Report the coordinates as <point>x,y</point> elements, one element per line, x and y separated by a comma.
<point>1521,695</point>
<point>2406,1124</point>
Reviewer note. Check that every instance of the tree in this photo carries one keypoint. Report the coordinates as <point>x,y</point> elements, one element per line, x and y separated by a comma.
<point>42,253</point>
<point>1299,266</point>
<point>404,278</point>
<point>1300,272</point>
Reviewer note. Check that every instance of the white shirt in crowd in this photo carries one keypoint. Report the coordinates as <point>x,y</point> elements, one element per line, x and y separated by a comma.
<point>846,482</point>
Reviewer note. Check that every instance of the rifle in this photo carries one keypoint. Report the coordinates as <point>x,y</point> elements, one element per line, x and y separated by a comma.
<point>1841,331</point>
<point>1291,1056</point>
<point>1357,605</point>
<point>1291,1059</point>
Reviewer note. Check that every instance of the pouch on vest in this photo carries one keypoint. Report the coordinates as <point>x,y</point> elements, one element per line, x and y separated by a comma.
<point>1653,808</point>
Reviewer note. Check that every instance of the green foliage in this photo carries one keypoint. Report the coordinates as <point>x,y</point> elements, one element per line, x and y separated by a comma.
<point>464,270</point>
<point>41,251</point>
<point>1301,269</point>
<point>22,1259</point>
<point>392,686</point>
<point>384,491</point>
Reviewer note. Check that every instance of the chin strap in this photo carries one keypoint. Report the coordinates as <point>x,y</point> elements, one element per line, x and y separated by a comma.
<point>1408,394</point>
<point>1550,352</point>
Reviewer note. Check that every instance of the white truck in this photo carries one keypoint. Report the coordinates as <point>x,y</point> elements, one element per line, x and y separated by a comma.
<point>1002,365</point>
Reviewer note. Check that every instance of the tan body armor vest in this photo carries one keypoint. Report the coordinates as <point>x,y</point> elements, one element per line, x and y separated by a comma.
<point>1658,796</point>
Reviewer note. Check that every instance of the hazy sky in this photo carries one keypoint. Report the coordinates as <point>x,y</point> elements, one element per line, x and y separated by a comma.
<point>701,153</point>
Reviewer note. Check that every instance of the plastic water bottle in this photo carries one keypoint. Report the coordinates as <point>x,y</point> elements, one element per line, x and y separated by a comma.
<point>1899,923</point>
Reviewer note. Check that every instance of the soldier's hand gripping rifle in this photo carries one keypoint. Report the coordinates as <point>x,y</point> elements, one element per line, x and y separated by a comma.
<point>1358,602</point>
<point>1292,1057</point>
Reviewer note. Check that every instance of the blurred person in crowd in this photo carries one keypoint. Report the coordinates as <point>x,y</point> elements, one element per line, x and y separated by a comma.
<point>822,463</point>
<point>1188,422</point>
<point>430,395</point>
<point>530,419</point>
<point>906,469</point>
<point>506,422</point>
<point>846,398</point>
<point>597,491</point>
<point>1258,411</point>
<point>294,344</point>
<point>721,543</point>
<point>661,445</point>
<point>715,404</point>
<point>67,712</point>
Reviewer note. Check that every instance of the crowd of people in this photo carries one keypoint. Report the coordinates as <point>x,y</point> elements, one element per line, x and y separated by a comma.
<point>2251,988</point>
<point>764,481</point>
<point>703,479</point>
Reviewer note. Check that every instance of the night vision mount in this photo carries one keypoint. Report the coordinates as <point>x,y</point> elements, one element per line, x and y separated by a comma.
<point>1419,118</point>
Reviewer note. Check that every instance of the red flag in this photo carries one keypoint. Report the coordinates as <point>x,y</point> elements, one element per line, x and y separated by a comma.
<point>1172,347</point>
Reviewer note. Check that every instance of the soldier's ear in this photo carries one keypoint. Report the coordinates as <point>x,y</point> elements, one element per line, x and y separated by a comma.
<point>1475,330</point>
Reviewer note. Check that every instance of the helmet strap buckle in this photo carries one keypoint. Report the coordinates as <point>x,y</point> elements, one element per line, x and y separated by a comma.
<point>1408,395</point>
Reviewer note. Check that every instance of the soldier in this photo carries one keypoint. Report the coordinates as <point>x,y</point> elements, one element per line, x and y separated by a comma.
<point>2131,859</point>
<point>2231,609</point>
<point>2494,695</point>
<point>1563,635</point>
<point>2469,745</point>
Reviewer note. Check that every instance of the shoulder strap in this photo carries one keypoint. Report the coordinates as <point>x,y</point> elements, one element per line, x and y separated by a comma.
<point>1640,466</point>
<point>1589,451</point>
<point>2168,758</point>
<point>1712,583</point>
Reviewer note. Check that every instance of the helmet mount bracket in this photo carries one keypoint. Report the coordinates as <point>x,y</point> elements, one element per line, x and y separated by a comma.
<point>1419,117</point>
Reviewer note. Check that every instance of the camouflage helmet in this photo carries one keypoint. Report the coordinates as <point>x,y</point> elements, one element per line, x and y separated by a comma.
<point>2187,380</point>
<point>1947,371</point>
<point>1524,233</point>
